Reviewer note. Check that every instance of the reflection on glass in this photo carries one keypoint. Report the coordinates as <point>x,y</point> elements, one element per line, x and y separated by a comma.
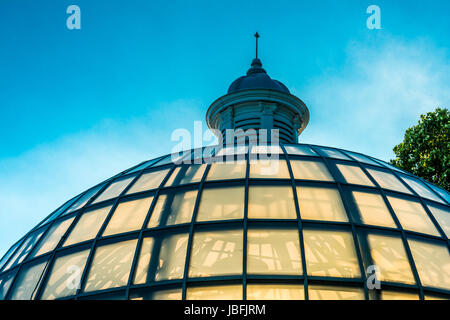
<point>25,287</point>
<point>88,226</point>
<point>330,254</point>
<point>111,266</point>
<point>421,189</point>
<point>432,262</point>
<point>24,249</point>
<point>221,204</point>
<point>300,150</point>
<point>354,175</point>
<point>317,292</point>
<point>264,149</point>
<point>275,292</point>
<point>186,174</point>
<point>142,269</point>
<point>388,253</point>
<point>114,190</point>
<point>265,169</point>
<point>321,204</point>
<point>361,158</point>
<point>173,208</point>
<point>5,283</point>
<point>168,294</point>
<point>412,216</point>
<point>387,180</point>
<point>228,292</point>
<point>61,282</point>
<point>228,151</point>
<point>310,170</point>
<point>83,199</point>
<point>227,170</point>
<point>148,181</point>
<point>373,210</point>
<point>443,218</point>
<point>216,253</point>
<point>172,257</point>
<point>397,295</point>
<point>52,237</point>
<point>128,216</point>
<point>273,251</point>
<point>331,153</point>
<point>9,254</point>
<point>271,202</point>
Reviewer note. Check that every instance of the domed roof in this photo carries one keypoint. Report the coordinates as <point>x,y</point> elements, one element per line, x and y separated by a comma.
<point>256,78</point>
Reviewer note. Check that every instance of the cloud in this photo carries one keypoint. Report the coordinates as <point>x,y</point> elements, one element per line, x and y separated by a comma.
<point>367,104</point>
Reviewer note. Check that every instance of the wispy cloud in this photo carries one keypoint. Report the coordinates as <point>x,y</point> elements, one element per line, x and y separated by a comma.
<point>368,103</point>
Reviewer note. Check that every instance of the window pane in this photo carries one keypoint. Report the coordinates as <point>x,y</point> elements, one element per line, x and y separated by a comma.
<point>142,272</point>
<point>330,254</point>
<point>397,295</point>
<point>230,292</point>
<point>216,253</point>
<point>61,282</point>
<point>231,151</point>
<point>88,226</point>
<point>321,204</point>
<point>274,252</point>
<point>412,216</point>
<point>111,266</point>
<point>389,254</point>
<point>9,254</point>
<point>300,150</point>
<point>27,282</point>
<point>269,169</point>
<point>387,181</point>
<point>317,292</point>
<point>221,204</point>
<point>52,237</point>
<point>444,194</point>
<point>432,263</point>
<point>148,181</point>
<point>176,207</point>
<point>421,190</point>
<point>331,153</point>
<point>5,283</point>
<point>24,249</point>
<point>114,190</point>
<point>354,175</point>
<point>310,170</point>
<point>361,158</point>
<point>84,199</point>
<point>443,218</point>
<point>275,292</point>
<point>373,210</point>
<point>271,202</point>
<point>172,257</point>
<point>227,170</point>
<point>169,294</point>
<point>263,149</point>
<point>128,216</point>
<point>187,174</point>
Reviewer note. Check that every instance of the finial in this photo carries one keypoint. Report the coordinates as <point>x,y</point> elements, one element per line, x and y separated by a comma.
<point>256,37</point>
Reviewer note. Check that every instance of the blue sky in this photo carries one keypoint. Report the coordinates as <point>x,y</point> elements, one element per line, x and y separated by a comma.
<point>78,106</point>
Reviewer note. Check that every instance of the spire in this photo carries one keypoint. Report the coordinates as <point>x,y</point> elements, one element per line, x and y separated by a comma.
<point>256,38</point>
<point>256,66</point>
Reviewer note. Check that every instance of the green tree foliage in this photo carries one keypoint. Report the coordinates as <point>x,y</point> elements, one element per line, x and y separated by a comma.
<point>425,150</point>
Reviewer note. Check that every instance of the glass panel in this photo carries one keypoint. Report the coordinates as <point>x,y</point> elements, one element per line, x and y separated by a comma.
<point>172,257</point>
<point>354,175</point>
<point>443,218</point>
<point>177,208</point>
<point>227,170</point>
<point>321,204</point>
<point>330,254</point>
<point>388,181</point>
<point>128,216</point>
<point>397,295</point>
<point>62,279</point>
<point>275,292</point>
<point>111,266</point>
<point>25,248</point>
<point>5,283</point>
<point>300,150</point>
<point>331,153</point>
<point>84,199</point>
<point>444,194</point>
<point>114,190</point>
<point>169,294</point>
<point>361,158</point>
<point>412,216</point>
<point>432,262</point>
<point>216,253</point>
<point>59,211</point>
<point>317,292</point>
<point>266,169</point>
<point>421,189</point>
<point>187,174</point>
<point>263,149</point>
<point>389,254</point>
<point>52,237</point>
<point>27,282</point>
<point>230,292</point>
<point>373,210</point>
<point>221,204</point>
<point>142,274</point>
<point>310,170</point>
<point>142,166</point>
<point>271,202</point>
<point>88,226</point>
<point>274,252</point>
<point>148,181</point>
<point>228,151</point>
<point>9,254</point>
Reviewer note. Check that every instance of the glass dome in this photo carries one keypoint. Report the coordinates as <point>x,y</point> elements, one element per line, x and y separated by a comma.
<point>302,222</point>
